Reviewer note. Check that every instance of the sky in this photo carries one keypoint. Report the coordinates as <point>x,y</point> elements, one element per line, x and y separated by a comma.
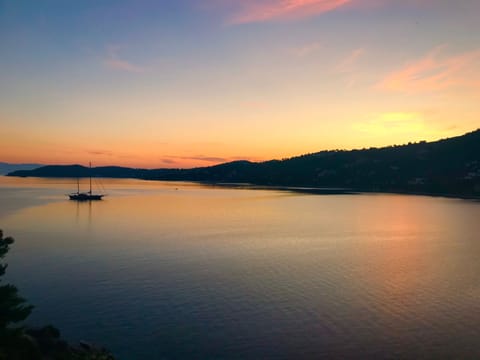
<point>185,83</point>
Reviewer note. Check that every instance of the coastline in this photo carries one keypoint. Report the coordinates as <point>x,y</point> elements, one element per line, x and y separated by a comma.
<point>296,189</point>
<point>336,191</point>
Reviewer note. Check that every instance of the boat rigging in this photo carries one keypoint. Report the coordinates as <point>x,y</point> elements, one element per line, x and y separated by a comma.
<point>85,196</point>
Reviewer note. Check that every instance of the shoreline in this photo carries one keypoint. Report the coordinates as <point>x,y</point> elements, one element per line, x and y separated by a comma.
<point>297,189</point>
<point>333,190</point>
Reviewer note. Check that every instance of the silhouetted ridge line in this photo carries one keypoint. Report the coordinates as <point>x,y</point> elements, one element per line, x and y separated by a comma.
<point>444,167</point>
<point>6,168</point>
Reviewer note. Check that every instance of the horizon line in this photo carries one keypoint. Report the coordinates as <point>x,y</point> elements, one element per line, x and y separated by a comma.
<point>247,160</point>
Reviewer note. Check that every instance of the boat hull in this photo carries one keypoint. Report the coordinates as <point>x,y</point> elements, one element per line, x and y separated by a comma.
<point>85,197</point>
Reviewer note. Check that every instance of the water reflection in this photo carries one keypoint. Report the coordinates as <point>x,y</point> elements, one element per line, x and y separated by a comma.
<point>83,213</point>
<point>207,273</point>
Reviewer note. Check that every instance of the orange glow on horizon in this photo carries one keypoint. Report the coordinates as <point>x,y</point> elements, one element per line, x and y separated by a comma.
<point>385,129</point>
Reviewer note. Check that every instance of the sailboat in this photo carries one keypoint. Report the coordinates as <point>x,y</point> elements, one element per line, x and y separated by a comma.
<point>85,196</point>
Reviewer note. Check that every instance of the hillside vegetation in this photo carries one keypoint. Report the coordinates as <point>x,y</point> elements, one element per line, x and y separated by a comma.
<point>447,167</point>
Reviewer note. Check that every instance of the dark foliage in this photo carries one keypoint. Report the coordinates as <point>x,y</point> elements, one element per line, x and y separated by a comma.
<point>13,310</point>
<point>20,343</point>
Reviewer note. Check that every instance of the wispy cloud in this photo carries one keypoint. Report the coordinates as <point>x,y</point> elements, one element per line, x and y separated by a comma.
<point>373,4</point>
<point>99,152</point>
<point>347,64</point>
<point>211,159</point>
<point>168,161</point>
<point>251,11</point>
<point>267,10</point>
<point>255,11</point>
<point>114,61</point>
<point>435,71</point>
<point>200,160</point>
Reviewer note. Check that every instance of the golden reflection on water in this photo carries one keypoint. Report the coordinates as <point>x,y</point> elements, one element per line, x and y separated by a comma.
<point>356,271</point>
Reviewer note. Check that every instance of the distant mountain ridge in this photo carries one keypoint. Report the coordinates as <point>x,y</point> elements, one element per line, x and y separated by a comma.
<point>79,171</point>
<point>445,167</point>
<point>6,168</point>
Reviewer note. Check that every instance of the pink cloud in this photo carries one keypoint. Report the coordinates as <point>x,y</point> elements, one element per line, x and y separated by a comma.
<point>435,71</point>
<point>251,11</point>
<point>266,10</point>
<point>372,4</point>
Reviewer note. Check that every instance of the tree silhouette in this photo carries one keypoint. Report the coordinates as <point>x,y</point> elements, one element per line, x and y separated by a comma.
<point>13,309</point>
<point>20,343</point>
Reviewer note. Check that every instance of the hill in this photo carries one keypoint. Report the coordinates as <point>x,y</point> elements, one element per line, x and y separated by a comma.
<point>445,167</point>
<point>6,168</point>
<point>78,171</point>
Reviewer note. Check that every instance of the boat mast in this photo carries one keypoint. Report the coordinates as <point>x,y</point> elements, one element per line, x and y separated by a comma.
<point>78,185</point>
<point>90,173</point>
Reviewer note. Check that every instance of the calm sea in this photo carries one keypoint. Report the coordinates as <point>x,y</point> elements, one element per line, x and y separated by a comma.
<point>163,270</point>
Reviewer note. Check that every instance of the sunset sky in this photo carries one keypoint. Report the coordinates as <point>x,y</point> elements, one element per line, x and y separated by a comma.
<point>157,83</point>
